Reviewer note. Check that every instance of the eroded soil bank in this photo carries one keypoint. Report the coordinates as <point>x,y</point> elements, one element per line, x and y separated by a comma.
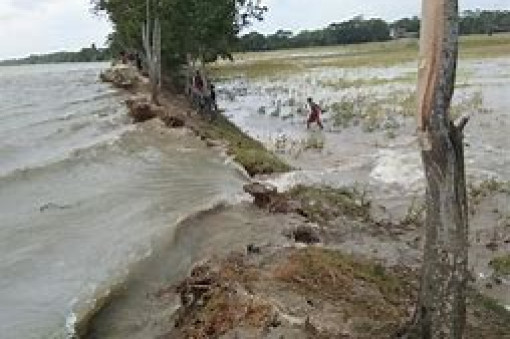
<point>313,262</point>
<point>310,263</point>
<point>176,112</point>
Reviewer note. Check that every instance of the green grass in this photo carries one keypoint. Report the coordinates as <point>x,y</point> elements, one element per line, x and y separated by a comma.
<point>256,69</point>
<point>326,203</point>
<point>251,154</point>
<point>379,54</point>
<point>489,320</point>
<point>341,278</point>
<point>373,111</point>
<point>501,265</point>
<point>488,187</point>
<point>342,83</point>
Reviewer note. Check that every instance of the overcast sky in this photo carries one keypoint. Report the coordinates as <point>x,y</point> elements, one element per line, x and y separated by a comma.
<point>41,26</point>
<point>300,14</point>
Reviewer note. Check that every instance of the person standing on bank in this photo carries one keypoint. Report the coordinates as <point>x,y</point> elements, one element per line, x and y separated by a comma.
<point>315,114</point>
<point>198,82</point>
<point>198,90</point>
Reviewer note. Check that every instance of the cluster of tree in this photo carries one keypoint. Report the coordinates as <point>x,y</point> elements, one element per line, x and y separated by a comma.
<point>356,30</point>
<point>201,30</point>
<point>84,55</point>
<point>359,30</point>
<point>484,22</point>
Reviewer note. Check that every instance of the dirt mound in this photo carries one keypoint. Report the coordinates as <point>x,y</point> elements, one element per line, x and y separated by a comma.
<point>122,76</point>
<point>308,293</point>
<point>141,109</point>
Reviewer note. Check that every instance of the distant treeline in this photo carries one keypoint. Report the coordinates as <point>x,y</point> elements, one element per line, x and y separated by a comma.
<point>84,55</point>
<point>359,30</point>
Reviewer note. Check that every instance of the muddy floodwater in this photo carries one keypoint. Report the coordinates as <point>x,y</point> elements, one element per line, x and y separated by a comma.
<point>370,141</point>
<point>369,134</point>
<point>84,194</point>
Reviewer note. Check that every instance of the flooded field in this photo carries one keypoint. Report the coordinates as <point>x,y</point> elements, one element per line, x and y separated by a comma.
<point>369,140</point>
<point>368,94</point>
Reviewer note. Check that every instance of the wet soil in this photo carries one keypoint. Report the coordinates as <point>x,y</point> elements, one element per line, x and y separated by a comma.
<point>317,262</point>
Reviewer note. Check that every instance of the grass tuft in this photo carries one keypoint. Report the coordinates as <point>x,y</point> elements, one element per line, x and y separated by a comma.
<point>251,154</point>
<point>501,265</point>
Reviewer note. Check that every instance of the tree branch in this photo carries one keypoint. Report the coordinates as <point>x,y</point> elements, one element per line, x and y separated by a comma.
<point>461,123</point>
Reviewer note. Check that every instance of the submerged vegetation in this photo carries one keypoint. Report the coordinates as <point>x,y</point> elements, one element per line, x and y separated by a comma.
<point>320,204</point>
<point>486,188</point>
<point>374,111</point>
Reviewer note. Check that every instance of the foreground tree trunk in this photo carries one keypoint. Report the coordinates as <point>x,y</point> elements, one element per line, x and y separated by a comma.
<point>441,310</point>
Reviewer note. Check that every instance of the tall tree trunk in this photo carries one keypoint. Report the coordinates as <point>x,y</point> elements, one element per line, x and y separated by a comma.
<point>151,35</point>
<point>441,310</point>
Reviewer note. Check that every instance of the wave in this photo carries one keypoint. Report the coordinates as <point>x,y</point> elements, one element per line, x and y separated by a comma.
<point>67,158</point>
<point>86,308</point>
<point>102,109</point>
<point>98,96</point>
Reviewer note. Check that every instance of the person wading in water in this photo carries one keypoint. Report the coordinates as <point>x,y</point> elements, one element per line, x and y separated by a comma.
<point>315,114</point>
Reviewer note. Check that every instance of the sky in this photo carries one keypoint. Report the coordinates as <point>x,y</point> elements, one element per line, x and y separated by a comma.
<point>43,26</point>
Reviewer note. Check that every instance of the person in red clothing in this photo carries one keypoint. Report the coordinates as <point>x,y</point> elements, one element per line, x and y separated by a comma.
<point>315,114</point>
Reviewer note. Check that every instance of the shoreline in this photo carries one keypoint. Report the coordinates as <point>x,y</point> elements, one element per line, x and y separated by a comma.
<point>291,225</point>
<point>225,138</point>
<point>176,112</point>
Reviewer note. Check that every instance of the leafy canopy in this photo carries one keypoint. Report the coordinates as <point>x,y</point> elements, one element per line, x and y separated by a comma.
<point>202,29</point>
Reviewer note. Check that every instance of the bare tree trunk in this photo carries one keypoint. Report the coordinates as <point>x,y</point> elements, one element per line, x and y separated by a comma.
<point>152,45</point>
<point>441,310</point>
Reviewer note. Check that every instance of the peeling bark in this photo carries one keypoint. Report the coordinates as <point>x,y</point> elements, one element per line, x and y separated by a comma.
<point>441,310</point>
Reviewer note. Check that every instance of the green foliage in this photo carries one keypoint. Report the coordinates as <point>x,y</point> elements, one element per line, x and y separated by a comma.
<point>501,265</point>
<point>356,30</point>
<point>359,30</point>
<point>485,22</point>
<point>84,55</point>
<point>326,203</point>
<point>202,29</point>
<point>251,154</point>
<point>408,24</point>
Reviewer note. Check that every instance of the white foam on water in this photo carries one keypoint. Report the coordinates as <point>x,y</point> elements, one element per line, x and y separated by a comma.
<point>331,177</point>
<point>398,168</point>
<point>71,324</point>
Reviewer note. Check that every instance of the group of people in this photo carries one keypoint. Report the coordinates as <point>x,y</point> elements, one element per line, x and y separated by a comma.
<point>204,97</point>
<point>131,58</point>
<point>206,100</point>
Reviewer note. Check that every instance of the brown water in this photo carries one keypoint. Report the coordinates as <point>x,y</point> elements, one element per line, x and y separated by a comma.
<point>273,110</point>
<point>84,195</point>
